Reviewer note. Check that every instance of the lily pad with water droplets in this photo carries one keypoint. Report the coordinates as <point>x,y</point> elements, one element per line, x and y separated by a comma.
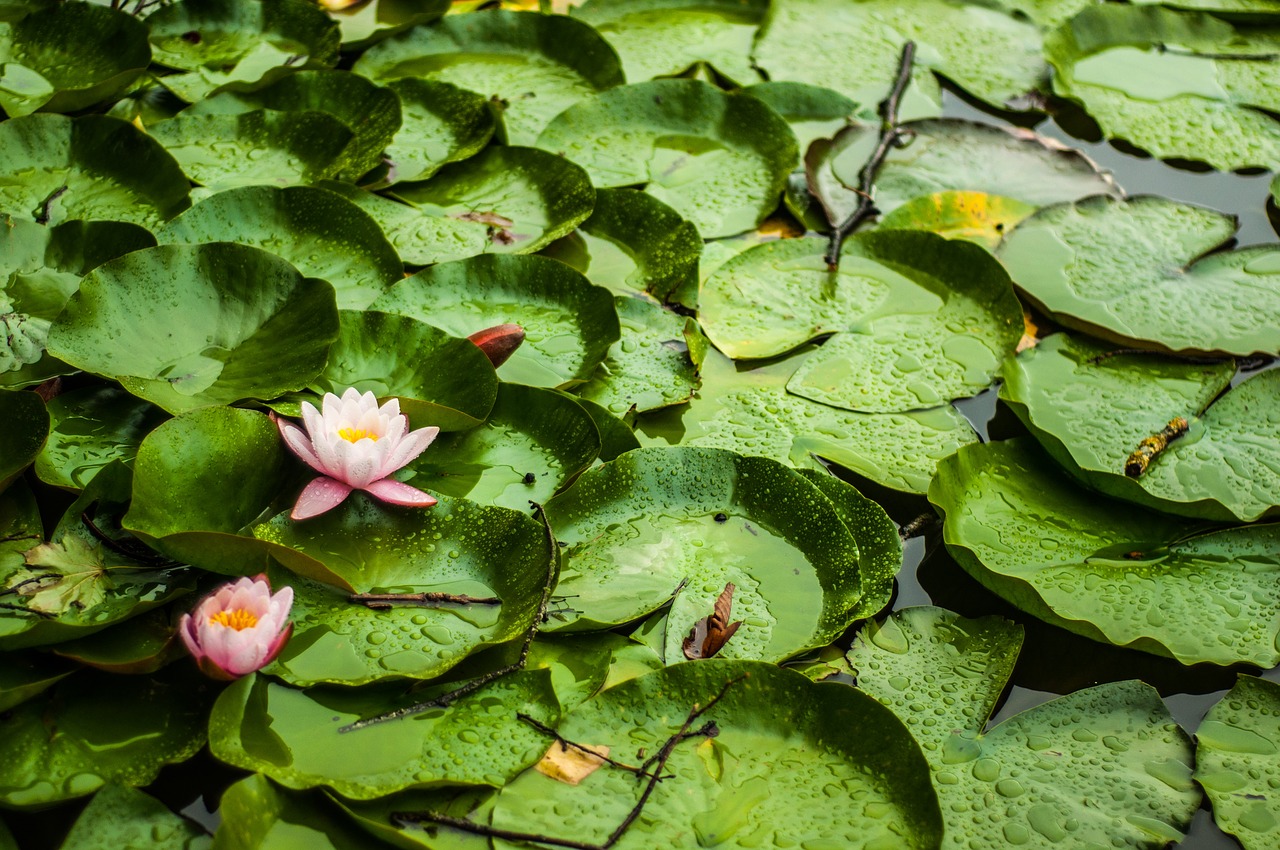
<point>1236,747</point>
<point>92,167</point>
<point>364,24</point>
<point>1091,411</point>
<point>1177,84</point>
<point>651,366</point>
<point>255,814</point>
<point>440,123</point>
<point>25,420</point>
<point>972,216</point>
<point>1105,569</point>
<point>813,112</point>
<point>746,408</point>
<point>1106,766</point>
<point>89,428</point>
<point>186,326</point>
<point>292,736</point>
<point>781,742</point>
<point>1146,270</point>
<point>120,816</point>
<point>534,66</point>
<point>720,160</point>
<point>28,674</point>
<point>661,523</point>
<point>569,324</point>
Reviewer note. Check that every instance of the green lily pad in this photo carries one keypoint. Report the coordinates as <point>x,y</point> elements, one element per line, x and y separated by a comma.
<point>971,216</point>
<point>40,268</point>
<point>96,728</point>
<point>68,57</point>
<point>719,160</point>
<point>534,66</point>
<point>534,442</point>
<point>90,428</point>
<point>664,38</point>
<point>374,817</point>
<point>503,200</point>
<point>1103,767</point>
<point>384,354</point>
<point>1108,570</point>
<point>650,367</point>
<point>260,147</point>
<point>1091,411</point>
<point>322,234</point>
<point>228,44</point>
<point>256,815</point>
<point>1177,84</point>
<point>734,789</point>
<point>441,123</point>
<point>365,24</point>
<point>26,675</point>
<point>293,736</point>
<point>201,479</point>
<point>633,243</point>
<point>951,154</point>
<point>141,644</point>
<point>74,585</point>
<point>1145,272</point>
<point>647,526</point>
<point>813,112</point>
<point>120,816</point>
<point>958,41</point>
<point>569,323</point>
<point>204,324</point>
<point>24,417</point>
<point>746,408</point>
<point>371,113</point>
<point>91,167</point>
<point>1236,761</point>
<point>616,436</point>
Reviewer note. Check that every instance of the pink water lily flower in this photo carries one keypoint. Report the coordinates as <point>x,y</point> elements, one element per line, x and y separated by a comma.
<point>238,628</point>
<point>355,445</point>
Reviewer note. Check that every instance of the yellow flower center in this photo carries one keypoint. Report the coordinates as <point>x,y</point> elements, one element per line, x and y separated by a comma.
<point>239,619</point>
<point>353,434</point>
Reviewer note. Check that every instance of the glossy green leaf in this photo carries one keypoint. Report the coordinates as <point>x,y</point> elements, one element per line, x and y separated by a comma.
<point>650,366</point>
<point>961,42</point>
<point>385,354</point>
<point>187,326</point>
<point>1104,767</point>
<point>25,675</point>
<point>1145,272</point>
<point>1111,571</point>
<point>719,160</point>
<point>292,736</point>
<point>1177,84</point>
<point>664,38</point>
<point>365,24</point>
<point>1091,411</point>
<point>259,147</point>
<point>813,112</point>
<point>221,43</point>
<point>322,234</point>
<point>533,443</point>
<point>119,816</point>
<point>747,409</point>
<point>70,56</point>
<point>441,123</point>
<point>141,644</point>
<point>569,323</point>
<point>616,436</point>
<point>91,167</point>
<point>503,200</point>
<point>971,216</point>
<point>24,418</point>
<point>96,728</point>
<point>1236,761</point>
<point>535,66</point>
<point>735,789</point>
<point>374,816</point>
<point>89,428</point>
<point>254,814</point>
<point>633,243</point>
<point>661,523</point>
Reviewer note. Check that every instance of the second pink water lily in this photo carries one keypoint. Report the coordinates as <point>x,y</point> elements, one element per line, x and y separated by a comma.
<point>355,445</point>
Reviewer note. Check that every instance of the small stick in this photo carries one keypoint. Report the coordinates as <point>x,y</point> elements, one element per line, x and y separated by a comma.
<point>570,745</point>
<point>918,526</point>
<point>429,599</point>
<point>890,136</point>
<point>1152,446</point>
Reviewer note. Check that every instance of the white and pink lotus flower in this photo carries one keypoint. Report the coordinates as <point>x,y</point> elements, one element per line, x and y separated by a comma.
<point>239,628</point>
<point>355,445</point>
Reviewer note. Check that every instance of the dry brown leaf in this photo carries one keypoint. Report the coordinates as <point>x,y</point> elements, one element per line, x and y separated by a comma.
<point>709,635</point>
<point>571,765</point>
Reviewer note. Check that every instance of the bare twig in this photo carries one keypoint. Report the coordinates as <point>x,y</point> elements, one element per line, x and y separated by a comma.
<point>890,136</point>
<point>449,698</point>
<point>571,745</point>
<point>429,599</point>
<point>918,526</point>
<point>1152,446</point>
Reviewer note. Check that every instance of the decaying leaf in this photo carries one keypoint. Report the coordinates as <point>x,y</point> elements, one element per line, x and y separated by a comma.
<point>63,575</point>
<point>709,635</point>
<point>571,765</point>
<point>499,226</point>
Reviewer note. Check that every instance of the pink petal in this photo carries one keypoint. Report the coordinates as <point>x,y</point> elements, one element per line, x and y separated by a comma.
<point>278,644</point>
<point>498,342</point>
<point>322,494</point>
<point>186,631</point>
<point>299,444</point>
<point>399,493</point>
<point>409,448</point>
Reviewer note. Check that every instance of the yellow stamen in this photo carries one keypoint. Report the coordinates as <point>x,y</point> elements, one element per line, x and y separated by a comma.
<point>238,619</point>
<point>353,434</point>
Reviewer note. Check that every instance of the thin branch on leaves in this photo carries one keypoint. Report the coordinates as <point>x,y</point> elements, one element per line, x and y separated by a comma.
<point>652,769</point>
<point>891,135</point>
<point>447,699</point>
<point>917,526</point>
<point>565,743</point>
<point>429,599</point>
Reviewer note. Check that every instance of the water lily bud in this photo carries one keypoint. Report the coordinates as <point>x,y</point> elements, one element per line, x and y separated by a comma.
<point>239,628</point>
<point>498,342</point>
<point>355,445</point>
